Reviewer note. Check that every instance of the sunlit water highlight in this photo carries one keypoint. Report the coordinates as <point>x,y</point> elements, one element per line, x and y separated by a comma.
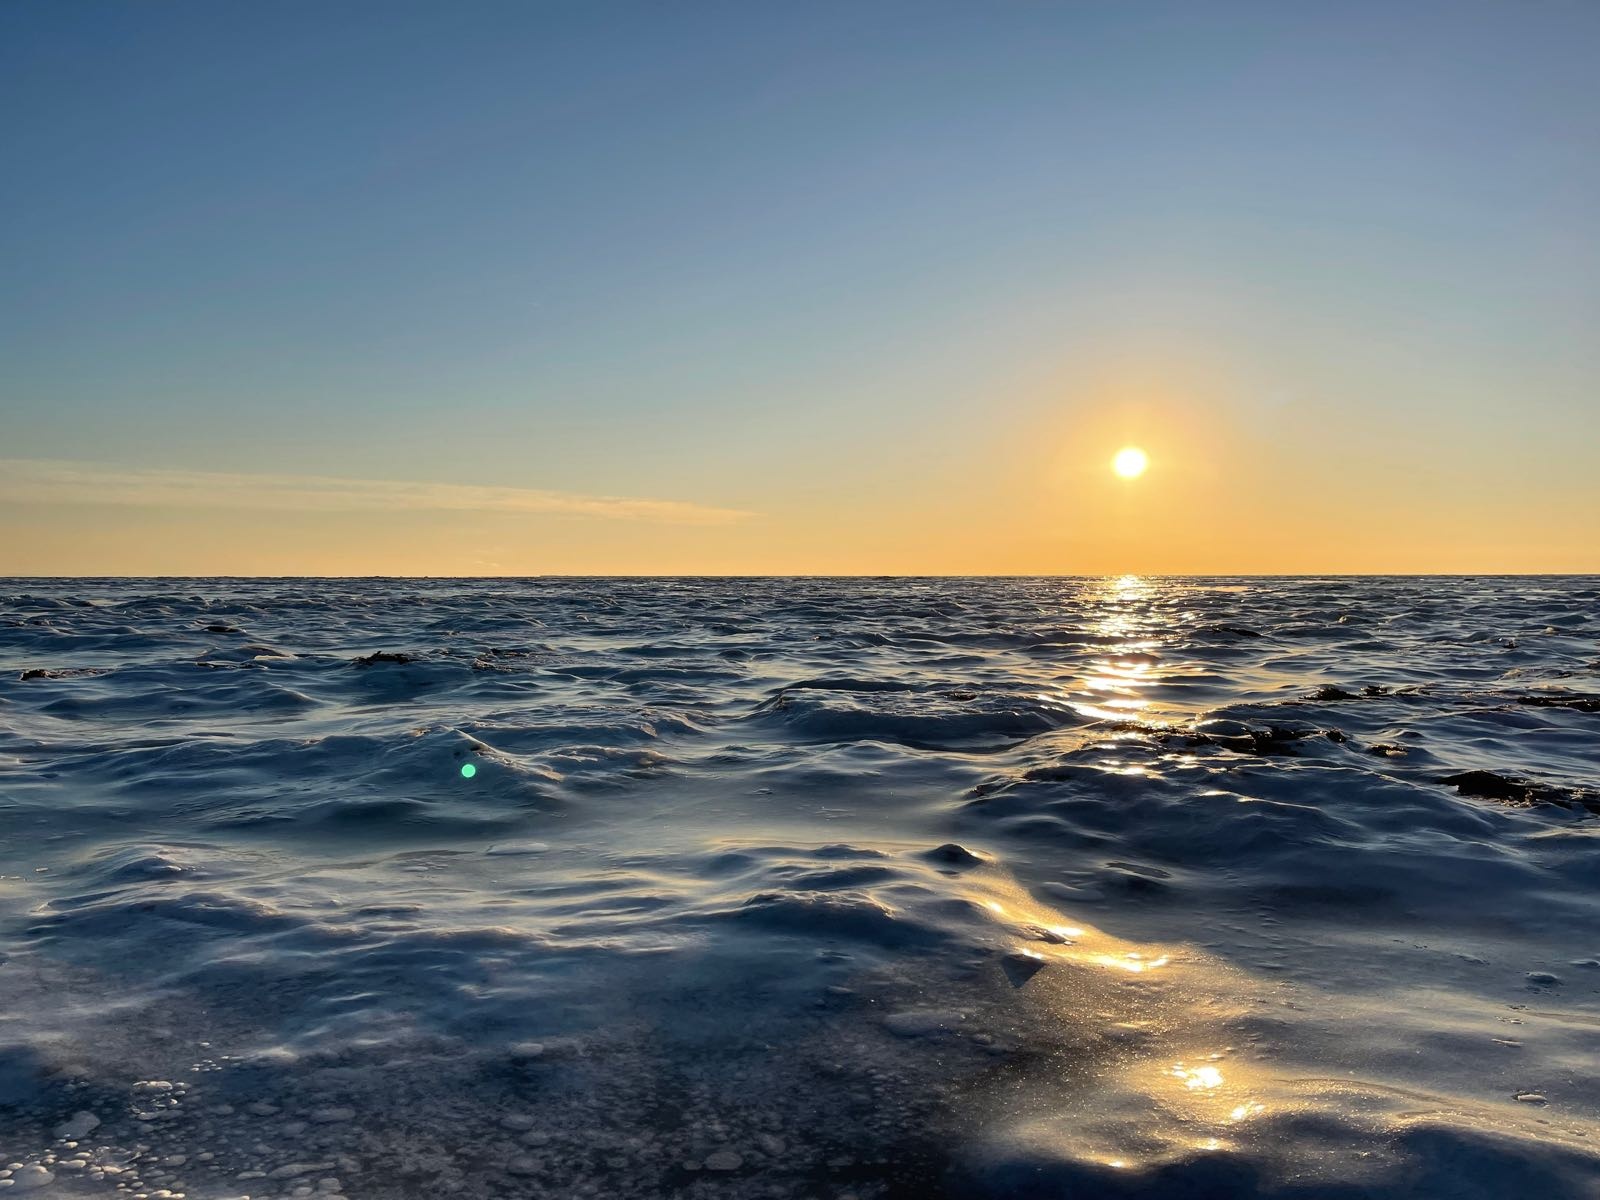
<point>883,888</point>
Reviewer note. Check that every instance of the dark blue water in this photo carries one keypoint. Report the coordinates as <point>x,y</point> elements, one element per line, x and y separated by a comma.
<point>800,888</point>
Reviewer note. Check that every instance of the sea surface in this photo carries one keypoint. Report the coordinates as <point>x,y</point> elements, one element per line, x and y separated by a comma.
<point>871,888</point>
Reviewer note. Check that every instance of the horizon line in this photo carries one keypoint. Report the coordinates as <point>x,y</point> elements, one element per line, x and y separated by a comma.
<point>1594,574</point>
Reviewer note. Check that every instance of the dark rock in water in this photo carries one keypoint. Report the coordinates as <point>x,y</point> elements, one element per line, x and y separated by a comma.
<point>1578,703</point>
<point>1235,630</point>
<point>1247,739</point>
<point>1487,785</point>
<point>384,656</point>
<point>1045,934</point>
<point>60,672</point>
<point>1387,750</point>
<point>219,628</point>
<point>1329,691</point>
<point>955,855</point>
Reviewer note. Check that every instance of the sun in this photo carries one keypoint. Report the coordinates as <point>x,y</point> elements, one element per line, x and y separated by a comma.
<point>1130,462</point>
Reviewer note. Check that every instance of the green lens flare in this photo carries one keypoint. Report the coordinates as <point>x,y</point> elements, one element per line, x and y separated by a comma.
<point>468,770</point>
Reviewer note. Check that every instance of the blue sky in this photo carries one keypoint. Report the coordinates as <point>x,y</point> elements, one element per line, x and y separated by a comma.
<point>813,260</point>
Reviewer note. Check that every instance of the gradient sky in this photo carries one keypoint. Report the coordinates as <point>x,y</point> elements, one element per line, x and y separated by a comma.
<point>507,288</point>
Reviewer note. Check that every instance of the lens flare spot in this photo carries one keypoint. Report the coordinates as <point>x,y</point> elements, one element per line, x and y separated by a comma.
<point>468,770</point>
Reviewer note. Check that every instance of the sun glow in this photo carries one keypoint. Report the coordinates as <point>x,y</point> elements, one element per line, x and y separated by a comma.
<point>1130,462</point>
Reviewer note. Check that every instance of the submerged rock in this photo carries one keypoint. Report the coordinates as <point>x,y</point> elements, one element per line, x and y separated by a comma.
<point>1330,691</point>
<point>293,1170</point>
<point>384,656</point>
<point>1510,789</point>
<point>79,1125</point>
<point>1046,934</point>
<point>1578,703</point>
<point>955,855</point>
<point>29,1177</point>
<point>60,672</point>
<point>1248,739</point>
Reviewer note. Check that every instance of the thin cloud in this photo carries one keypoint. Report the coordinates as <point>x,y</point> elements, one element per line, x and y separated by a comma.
<point>56,481</point>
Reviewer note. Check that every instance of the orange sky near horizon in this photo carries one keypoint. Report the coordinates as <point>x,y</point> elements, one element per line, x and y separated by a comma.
<point>1219,497</point>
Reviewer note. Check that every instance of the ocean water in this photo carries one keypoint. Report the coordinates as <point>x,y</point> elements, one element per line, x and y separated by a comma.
<point>1080,888</point>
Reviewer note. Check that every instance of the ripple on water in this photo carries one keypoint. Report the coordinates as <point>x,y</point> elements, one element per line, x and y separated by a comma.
<point>893,888</point>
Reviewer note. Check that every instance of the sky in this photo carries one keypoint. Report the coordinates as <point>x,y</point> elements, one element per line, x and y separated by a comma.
<point>484,288</point>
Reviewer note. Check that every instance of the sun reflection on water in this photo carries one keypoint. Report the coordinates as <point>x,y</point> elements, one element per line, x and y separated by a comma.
<point>1198,1077</point>
<point>1189,1099</point>
<point>1134,963</point>
<point>1188,1105</point>
<point>1122,616</point>
<point>1047,937</point>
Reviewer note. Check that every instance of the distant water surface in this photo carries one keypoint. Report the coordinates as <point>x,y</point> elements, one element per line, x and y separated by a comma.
<point>1128,887</point>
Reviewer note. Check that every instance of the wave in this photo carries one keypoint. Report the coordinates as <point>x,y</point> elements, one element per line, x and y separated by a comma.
<point>892,888</point>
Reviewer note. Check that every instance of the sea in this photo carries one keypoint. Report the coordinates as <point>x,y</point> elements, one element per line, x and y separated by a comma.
<point>846,889</point>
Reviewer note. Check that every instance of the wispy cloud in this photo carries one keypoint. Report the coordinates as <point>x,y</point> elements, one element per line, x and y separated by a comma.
<point>34,480</point>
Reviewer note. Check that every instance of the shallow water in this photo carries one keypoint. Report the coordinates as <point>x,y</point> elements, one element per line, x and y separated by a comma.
<point>810,888</point>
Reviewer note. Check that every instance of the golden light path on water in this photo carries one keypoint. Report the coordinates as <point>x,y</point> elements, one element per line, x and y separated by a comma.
<point>1151,1105</point>
<point>1145,1105</point>
<point>1130,628</point>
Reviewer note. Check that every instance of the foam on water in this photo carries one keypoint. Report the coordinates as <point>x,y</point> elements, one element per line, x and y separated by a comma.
<point>871,888</point>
